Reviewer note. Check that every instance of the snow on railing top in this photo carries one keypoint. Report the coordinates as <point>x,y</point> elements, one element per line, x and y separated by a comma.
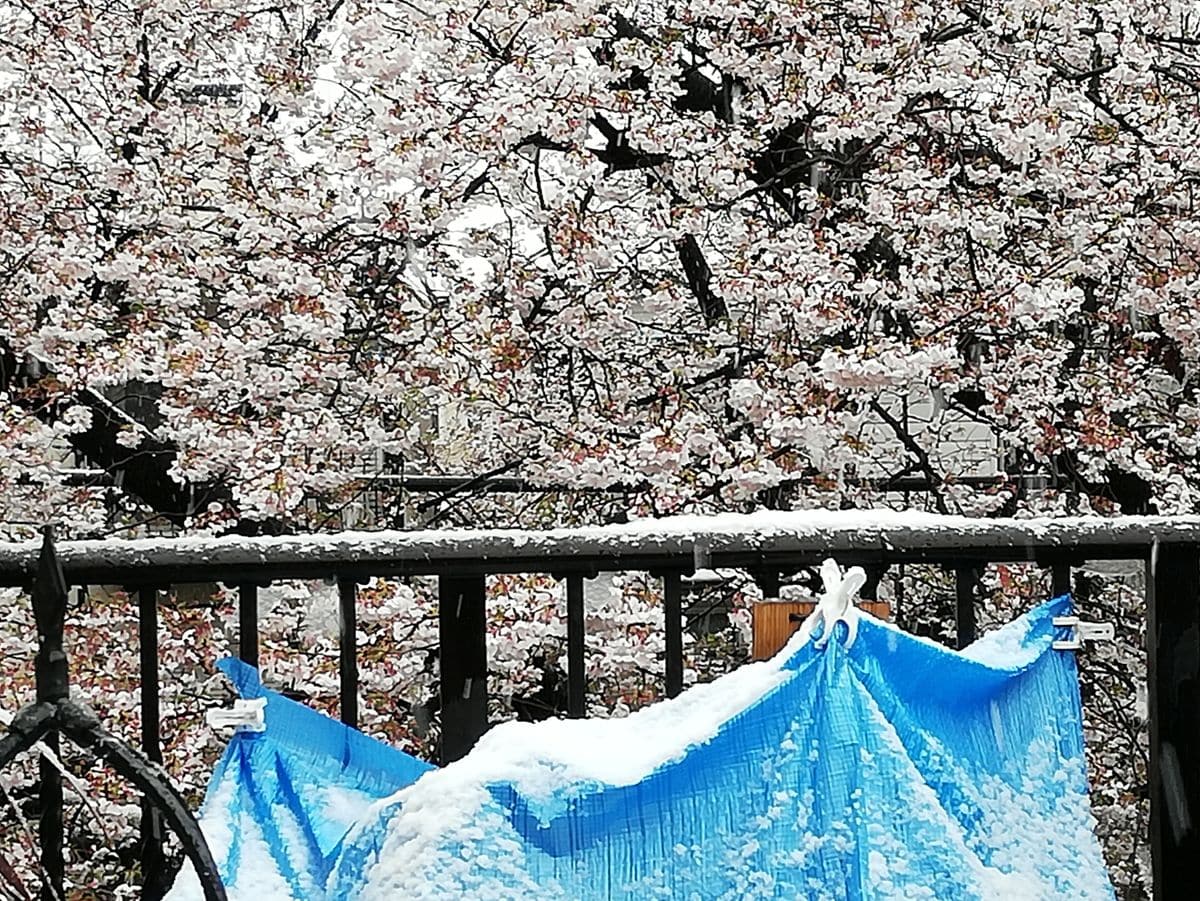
<point>682,542</point>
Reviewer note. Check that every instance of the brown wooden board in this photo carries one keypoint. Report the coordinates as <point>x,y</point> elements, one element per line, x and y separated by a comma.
<point>773,624</point>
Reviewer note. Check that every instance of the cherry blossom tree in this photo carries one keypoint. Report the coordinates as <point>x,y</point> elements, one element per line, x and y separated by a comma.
<point>689,248</point>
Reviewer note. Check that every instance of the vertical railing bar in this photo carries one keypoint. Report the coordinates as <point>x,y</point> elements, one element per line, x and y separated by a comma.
<point>348,649</point>
<point>1060,579</point>
<point>50,820</point>
<point>50,598</point>
<point>462,662</point>
<point>1173,674</point>
<point>576,674</point>
<point>673,615</point>
<point>248,623</point>
<point>870,589</point>
<point>1153,774</point>
<point>50,823</point>
<point>151,827</point>
<point>147,597</point>
<point>966,578</point>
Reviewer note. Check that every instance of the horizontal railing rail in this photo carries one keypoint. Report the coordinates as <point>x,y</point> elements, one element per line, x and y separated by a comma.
<point>781,540</point>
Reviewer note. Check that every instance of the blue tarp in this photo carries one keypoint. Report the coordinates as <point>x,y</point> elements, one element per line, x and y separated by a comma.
<point>892,769</point>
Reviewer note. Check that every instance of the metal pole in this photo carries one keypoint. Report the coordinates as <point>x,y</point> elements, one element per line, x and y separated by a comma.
<point>870,589</point>
<point>1060,579</point>
<point>966,578</point>
<point>673,614</point>
<point>462,627</point>
<point>248,623</point>
<point>49,597</point>
<point>147,599</point>
<point>50,823</point>
<point>1173,688</point>
<point>348,650</point>
<point>153,874</point>
<point>576,675</point>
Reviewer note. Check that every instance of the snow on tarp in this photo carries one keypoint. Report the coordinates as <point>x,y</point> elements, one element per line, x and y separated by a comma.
<point>892,769</point>
<point>280,803</point>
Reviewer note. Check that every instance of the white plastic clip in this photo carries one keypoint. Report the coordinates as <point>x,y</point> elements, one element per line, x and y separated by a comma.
<point>245,716</point>
<point>836,605</point>
<point>1081,632</point>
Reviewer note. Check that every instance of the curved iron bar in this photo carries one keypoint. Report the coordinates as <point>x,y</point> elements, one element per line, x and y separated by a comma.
<point>28,725</point>
<point>26,728</point>
<point>82,727</point>
<point>79,724</point>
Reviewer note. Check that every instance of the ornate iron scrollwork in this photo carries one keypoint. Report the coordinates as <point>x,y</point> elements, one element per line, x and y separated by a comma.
<point>54,713</point>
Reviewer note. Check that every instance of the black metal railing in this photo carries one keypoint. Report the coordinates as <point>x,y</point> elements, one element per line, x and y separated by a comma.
<point>54,714</point>
<point>779,544</point>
